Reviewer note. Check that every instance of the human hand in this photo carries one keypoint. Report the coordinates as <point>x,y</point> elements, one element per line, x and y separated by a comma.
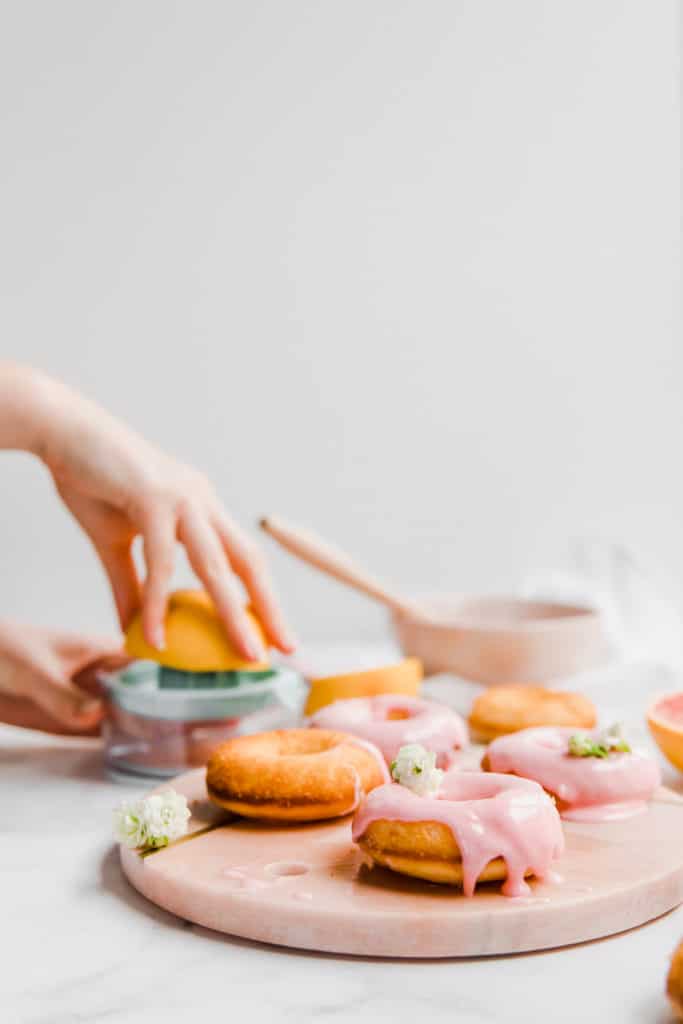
<point>45,678</point>
<point>119,486</point>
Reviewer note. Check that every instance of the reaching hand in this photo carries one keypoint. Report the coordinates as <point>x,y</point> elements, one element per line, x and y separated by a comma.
<point>43,678</point>
<point>119,486</point>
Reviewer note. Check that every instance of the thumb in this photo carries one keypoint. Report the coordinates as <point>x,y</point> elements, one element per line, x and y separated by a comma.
<point>80,650</point>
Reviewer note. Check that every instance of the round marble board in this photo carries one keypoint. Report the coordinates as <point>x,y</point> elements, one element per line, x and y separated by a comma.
<point>307,886</point>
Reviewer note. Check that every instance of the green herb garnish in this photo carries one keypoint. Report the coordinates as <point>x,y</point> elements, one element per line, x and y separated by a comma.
<point>610,741</point>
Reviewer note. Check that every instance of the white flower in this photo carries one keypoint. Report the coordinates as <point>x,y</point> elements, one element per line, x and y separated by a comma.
<point>129,829</point>
<point>415,768</point>
<point>151,822</point>
<point>614,739</point>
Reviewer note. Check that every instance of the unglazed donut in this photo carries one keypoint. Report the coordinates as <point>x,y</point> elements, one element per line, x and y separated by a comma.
<point>477,828</point>
<point>390,721</point>
<point>585,788</point>
<point>293,774</point>
<point>504,709</point>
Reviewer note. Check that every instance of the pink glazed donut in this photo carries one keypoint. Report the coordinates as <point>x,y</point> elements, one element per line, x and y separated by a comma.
<point>585,788</point>
<point>391,721</point>
<point>478,827</point>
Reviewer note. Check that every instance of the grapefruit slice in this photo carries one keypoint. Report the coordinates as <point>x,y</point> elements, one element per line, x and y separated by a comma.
<point>665,721</point>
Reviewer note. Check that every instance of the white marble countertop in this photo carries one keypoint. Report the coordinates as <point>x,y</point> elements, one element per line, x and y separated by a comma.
<point>79,945</point>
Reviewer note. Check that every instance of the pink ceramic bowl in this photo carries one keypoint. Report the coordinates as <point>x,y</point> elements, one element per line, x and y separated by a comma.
<point>503,640</point>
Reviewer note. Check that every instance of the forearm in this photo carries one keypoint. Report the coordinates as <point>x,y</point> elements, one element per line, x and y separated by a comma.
<point>25,401</point>
<point>71,434</point>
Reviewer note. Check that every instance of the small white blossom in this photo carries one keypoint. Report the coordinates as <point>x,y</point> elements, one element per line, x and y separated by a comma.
<point>151,822</point>
<point>614,739</point>
<point>415,768</point>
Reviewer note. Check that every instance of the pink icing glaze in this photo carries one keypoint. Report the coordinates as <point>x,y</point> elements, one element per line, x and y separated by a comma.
<point>435,726</point>
<point>359,792</point>
<point>595,789</point>
<point>489,816</point>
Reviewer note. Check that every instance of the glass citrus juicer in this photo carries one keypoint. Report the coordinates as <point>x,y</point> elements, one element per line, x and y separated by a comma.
<point>167,710</point>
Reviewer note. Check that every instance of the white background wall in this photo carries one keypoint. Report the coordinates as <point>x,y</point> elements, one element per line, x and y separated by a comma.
<point>407,272</point>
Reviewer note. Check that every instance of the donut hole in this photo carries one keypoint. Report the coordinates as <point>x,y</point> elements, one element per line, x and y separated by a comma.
<point>396,714</point>
<point>302,742</point>
<point>287,868</point>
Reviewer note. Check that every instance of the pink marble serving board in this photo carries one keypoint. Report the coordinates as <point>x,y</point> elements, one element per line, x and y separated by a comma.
<point>307,886</point>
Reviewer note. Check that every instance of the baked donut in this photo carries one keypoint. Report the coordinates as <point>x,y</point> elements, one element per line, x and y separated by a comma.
<point>674,982</point>
<point>612,785</point>
<point>293,774</point>
<point>503,709</point>
<point>476,828</point>
<point>390,721</point>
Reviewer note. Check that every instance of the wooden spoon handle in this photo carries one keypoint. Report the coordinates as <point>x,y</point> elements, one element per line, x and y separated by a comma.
<point>322,556</point>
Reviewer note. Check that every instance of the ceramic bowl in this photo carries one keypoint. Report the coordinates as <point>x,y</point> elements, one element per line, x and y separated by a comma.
<point>502,639</point>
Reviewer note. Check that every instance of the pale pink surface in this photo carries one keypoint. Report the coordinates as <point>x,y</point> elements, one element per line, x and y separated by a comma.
<point>614,877</point>
<point>615,786</point>
<point>489,816</point>
<point>605,812</point>
<point>435,726</point>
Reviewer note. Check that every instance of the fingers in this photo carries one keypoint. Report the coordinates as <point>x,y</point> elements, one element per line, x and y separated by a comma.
<point>61,700</point>
<point>80,650</point>
<point>159,549</point>
<point>53,680</point>
<point>85,659</point>
<point>23,712</point>
<point>250,566</point>
<point>88,677</point>
<point>120,568</point>
<point>210,563</point>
